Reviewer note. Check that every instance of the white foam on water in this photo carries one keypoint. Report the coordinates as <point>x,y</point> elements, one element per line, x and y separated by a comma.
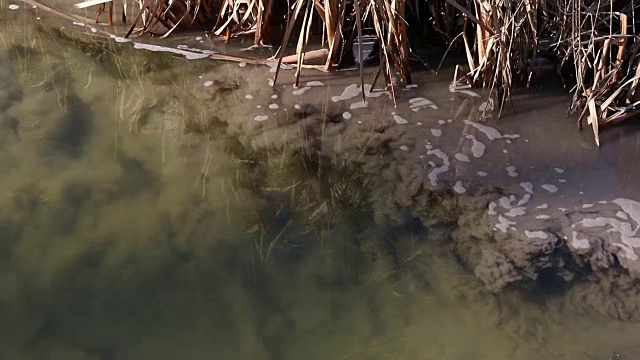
<point>550,188</point>
<point>559,170</point>
<point>436,132</point>
<point>354,90</point>
<point>453,89</point>
<point>492,208</point>
<point>525,199</point>
<point>261,118</point>
<point>504,223</point>
<point>625,229</point>
<point>418,103</point>
<point>442,122</point>
<point>14,7</point>
<point>315,83</point>
<point>432,164</point>
<point>208,83</point>
<point>587,206</point>
<point>536,234</point>
<point>428,146</point>
<point>301,90</point>
<point>274,96</point>
<point>543,206</point>
<point>562,181</point>
<point>93,30</point>
<point>242,64</point>
<point>198,38</point>
<point>120,39</point>
<point>449,121</point>
<point>490,133</point>
<point>78,23</point>
<point>508,141</point>
<point>359,121</point>
<point>349,92</point>
<point>189,55</point>
<point>516,211</point>
<point>346,115</point>
<point>505,202</point>
<point>359,105</point>
<point>579,243</point>
<point>622,215</point>
<point>248,96</point>
<point>400,120</point>
<point>433,175</point>
<point>505,151</point>
<point>258,106</point>
<point>273,106</point>
<point>482,173</point>
<point>462,157</point>
<point>297,106</point>
<point>543,217</point>
<point>511,170</point>
<point>485,106</point>
<point>459,188</point>
<point>631,207</point>
<point>419,123</point>
<point>477,148</point>
<point>404,148</point>
<point>270,82</point>
<point>527,186</point>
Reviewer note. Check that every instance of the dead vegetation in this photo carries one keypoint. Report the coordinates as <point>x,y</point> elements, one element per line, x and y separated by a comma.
<point>504,41</point>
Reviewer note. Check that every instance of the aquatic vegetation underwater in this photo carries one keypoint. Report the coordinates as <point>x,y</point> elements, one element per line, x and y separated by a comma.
<point>144,217</point>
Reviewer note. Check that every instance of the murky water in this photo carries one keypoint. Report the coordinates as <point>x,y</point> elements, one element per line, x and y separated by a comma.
<point>135,225</point>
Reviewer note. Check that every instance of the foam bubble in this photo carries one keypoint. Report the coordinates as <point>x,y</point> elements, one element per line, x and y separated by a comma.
<point>527,186</point>
<point>399,119</point>
<point>301,90</point>
<point>477,148</point>
<point>536,234</point>
<point>433,175</point>
<point>459,188</point>
<point>462,157</point>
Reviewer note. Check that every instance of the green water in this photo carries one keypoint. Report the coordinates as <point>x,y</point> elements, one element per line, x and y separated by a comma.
<point>133,225</point>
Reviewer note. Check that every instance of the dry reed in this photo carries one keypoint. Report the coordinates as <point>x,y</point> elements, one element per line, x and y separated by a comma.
<point>502,40</point>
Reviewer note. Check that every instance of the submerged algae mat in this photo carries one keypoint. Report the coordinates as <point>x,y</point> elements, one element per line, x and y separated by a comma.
<point>137,223</point>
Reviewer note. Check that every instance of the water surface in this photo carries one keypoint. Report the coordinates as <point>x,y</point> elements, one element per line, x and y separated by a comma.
<point>134,224</point>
